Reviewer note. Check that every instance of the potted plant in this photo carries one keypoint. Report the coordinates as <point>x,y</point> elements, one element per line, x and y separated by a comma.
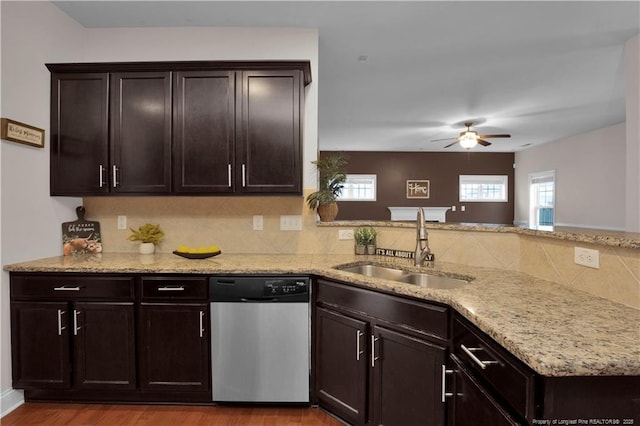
<point>149,236</point>
<point>332,176</point>
<point>365,237</point>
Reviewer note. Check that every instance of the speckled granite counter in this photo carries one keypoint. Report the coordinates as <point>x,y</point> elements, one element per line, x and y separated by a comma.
<point>583,235</point>
<point>556,330</point>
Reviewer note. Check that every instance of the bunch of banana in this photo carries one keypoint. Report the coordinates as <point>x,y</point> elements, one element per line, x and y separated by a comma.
<point>198,250</point>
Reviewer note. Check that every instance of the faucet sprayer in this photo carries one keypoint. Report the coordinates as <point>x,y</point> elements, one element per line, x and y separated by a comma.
<point>422,240</point>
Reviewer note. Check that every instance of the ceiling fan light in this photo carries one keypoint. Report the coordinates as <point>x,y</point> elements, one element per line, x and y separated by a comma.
<point>468,140</point>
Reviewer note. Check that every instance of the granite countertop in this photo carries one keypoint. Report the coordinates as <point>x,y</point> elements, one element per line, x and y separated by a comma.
<point>583,235</point>
<point>556,330</point>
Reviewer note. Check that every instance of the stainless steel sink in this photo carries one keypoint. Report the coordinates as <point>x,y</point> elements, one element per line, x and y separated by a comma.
<point>407,277</point>
<point>432,281</point>
<point>375,271</point>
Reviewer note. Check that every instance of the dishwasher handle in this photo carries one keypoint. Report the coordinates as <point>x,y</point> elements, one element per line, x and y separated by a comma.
<point>258,299</point>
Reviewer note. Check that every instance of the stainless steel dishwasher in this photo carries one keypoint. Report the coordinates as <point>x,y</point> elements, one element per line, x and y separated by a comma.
<point>260,339</point>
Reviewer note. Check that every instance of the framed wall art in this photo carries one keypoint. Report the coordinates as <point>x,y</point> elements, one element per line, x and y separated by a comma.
<point>418,189</point>
<point>16,131</point>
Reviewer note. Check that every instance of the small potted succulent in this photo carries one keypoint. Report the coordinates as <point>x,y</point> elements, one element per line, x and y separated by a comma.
<point>149,236</point>
<point>365,237</point>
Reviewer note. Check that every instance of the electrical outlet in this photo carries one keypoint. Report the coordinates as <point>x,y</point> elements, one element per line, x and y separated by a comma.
<point>462,208</point>
<point>453,208</point>
<point>292,222</point>
<point>258,222</point>
<point>345,234</point>
<point>587,257</point>
<point>122,222</point>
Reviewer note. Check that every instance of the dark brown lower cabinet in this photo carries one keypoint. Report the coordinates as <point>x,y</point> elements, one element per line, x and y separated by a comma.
<point>370,371</point>
<point>341,365</point>
<point>407,379</point>
<point>99,334</point>
<point>174,346</point>
<point>473,404</point>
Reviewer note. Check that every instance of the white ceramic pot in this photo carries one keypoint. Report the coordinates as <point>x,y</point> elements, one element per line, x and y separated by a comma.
<point>147,248</point>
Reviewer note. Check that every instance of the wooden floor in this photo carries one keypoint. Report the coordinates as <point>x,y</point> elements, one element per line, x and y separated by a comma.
<point>160,415</point>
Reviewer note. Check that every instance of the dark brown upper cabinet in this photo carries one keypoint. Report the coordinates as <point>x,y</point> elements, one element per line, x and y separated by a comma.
<point>204,131</point>
<point>177,128</point>
<point>141,132</point>
<point>79,133</point>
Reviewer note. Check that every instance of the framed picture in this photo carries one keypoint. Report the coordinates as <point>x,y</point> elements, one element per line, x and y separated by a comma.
<point>418,189</point>
<point>22,133</point>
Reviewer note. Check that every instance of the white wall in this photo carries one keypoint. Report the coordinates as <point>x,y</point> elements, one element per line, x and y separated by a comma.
<point>632,88</point>
<point>590,178</point>
<point>33,33</point>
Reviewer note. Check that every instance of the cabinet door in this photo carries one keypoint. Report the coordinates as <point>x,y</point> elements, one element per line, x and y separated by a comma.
<point>341,365</point>
<point>270,132</point>
<point>104,348</point>
<point>141,132</point>
<point>174,349</point>
<point>407,380</point>
<point>79,133</point>
<point>203,131</point>
<point>473,405</point>
<point>40,344</point>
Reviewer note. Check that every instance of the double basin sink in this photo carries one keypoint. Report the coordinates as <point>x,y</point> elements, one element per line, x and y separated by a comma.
<point>403,276</point>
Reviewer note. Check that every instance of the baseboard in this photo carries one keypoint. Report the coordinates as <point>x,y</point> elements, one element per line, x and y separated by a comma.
<point>10,400</point>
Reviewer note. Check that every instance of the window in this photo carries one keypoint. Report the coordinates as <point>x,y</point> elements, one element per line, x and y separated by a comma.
<point>542,198</point>
<point>483,188</point>
<point>359,188</point>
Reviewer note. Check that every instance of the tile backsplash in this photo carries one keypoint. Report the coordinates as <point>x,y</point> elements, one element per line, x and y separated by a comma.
<point>228,223</point>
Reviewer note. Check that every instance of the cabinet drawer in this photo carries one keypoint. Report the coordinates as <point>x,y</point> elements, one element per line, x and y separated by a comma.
<point>510,379</point>
<point>425,317</point>
<point>174,288</point>
<point>70,287</point>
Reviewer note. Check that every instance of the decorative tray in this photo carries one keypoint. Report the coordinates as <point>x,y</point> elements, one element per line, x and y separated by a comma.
<point>197,255</point>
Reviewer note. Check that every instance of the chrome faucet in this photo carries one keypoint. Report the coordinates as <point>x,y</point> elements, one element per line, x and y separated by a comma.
<point>422,240</point>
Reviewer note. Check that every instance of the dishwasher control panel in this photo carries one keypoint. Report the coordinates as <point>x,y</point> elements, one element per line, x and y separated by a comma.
<point>280,287</point>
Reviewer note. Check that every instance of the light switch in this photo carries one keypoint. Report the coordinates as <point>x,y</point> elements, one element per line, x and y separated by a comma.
<point>122,222</point>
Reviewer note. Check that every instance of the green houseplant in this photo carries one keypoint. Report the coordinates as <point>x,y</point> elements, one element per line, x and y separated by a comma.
<point>365,237</point>
<point>149,236</point>
<point>331,179</point>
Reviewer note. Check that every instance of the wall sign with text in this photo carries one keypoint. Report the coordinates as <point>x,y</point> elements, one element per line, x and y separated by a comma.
<point>418,188</point>
<point>22,133</point>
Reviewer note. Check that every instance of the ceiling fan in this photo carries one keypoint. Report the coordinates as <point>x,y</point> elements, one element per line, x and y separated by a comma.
<point>470,138</point>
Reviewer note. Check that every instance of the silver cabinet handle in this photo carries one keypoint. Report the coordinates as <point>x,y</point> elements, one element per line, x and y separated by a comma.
<point>60,326</point>
<point>374,358</point>
<point>102,170</point>
<point>229,174</point>
<point>201,323</point>
<point>75,322</point>
<point>474,358</point>
<point>115,176</point>
<point>445,394</point>
<point>65,288</point>
<point>167,288</point>
<point>359,334</point>
<point>244,175</point>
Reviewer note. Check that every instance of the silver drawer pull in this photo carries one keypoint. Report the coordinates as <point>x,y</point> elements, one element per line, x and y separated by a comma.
<point>180,288</point>
<point>359,352</point>
<point>65,288</point>
<point>229,174</point>
<point>474,358</point>
<point>445,394</point>
<point>244,175</point>
<point>60,326</point>
<point>115,176</point>
<point>101,173</point>
<point>201,323</point>
<point>374,358</point>
<point>75,322</point>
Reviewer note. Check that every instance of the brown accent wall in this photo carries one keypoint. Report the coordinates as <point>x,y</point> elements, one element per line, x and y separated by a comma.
<point>442,169</point>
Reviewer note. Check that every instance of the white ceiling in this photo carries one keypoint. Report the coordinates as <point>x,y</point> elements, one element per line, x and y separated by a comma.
<point>540,71</point>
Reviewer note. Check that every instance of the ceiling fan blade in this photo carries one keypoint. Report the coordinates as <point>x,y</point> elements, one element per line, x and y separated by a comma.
<point>440,140</point>
<point>494,136</point>
<point>451,144</point>
<point>483,142</point>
